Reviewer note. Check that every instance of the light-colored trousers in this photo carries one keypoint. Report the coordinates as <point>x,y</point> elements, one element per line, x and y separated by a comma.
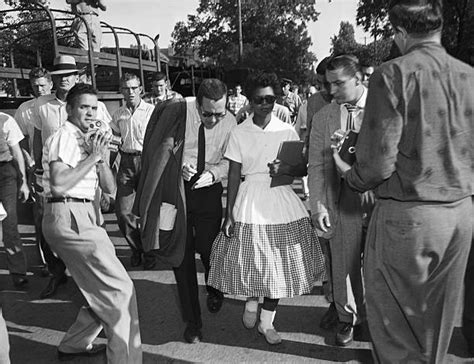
<point>4,344</point>
<point>346,251</point>
<point>415,261</point>
<point>72,232</point>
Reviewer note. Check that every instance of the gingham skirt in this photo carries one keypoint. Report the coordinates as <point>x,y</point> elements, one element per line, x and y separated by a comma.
<point>267,260</point>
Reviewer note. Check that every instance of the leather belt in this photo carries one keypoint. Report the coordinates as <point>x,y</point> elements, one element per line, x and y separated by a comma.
<point>133,154</point>
<point>87,13</point>
<point>67,199</point>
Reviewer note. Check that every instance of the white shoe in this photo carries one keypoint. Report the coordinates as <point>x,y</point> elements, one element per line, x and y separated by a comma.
<point>271,335</point>
<point>249,319</point>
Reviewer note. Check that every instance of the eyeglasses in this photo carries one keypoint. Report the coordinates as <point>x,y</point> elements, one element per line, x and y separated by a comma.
<point>269,99</point>
<point>219,115</point>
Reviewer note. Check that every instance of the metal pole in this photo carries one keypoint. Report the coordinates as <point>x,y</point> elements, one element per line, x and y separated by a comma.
<point>241,43</point>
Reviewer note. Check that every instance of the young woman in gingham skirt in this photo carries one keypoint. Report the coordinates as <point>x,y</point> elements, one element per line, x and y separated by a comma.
<point>268,247</point>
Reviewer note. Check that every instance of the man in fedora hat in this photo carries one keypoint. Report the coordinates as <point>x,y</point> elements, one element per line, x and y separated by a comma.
<point>49,115</point>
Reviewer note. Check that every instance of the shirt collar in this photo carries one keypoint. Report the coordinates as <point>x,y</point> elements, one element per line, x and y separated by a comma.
<point>424,44</point>
<point>73,128</point>
<point>360,104</point>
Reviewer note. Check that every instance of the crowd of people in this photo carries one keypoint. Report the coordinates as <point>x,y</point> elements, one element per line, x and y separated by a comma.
<point>387,164</point>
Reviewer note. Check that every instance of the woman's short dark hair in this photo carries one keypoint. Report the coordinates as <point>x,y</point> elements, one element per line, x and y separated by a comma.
<point>78,90</point>
<point>417,17</point>
<point>212,89</point>
<point>262,80</point>
<point>348,62</point>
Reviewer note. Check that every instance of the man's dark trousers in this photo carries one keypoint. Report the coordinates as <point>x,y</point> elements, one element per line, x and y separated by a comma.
<point>204,217</point>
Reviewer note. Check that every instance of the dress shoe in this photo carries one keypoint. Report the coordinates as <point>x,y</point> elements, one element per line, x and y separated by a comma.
<point>249,319</point>
<point>468,333</point>
<point>96,349</point>
<point>136,258</point>
<point>19,281</point>
<point>214,302</point>
<point>192,334</point>
<point>345,335</point>
<point>52,286</point>
<point>330,318</point>
<point>44,272</point>
<point>271,335</point>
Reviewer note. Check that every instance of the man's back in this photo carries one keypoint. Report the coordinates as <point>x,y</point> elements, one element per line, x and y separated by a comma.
<point>425,99</point>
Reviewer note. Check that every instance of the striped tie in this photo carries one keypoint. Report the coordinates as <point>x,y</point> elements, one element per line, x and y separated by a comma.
<point>351,110</point>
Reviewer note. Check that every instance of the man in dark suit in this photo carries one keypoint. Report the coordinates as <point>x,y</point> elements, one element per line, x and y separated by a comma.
<point>183,165</point>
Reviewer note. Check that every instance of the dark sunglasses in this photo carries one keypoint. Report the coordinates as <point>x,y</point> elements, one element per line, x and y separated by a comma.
<point>269,99</point>
<point>211,114</point>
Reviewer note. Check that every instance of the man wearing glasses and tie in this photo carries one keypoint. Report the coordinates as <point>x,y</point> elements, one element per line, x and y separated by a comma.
<point>182,168</point>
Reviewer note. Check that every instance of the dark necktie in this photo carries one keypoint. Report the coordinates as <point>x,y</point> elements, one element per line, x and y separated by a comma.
<point>351,110</point>
<point>201,156</point>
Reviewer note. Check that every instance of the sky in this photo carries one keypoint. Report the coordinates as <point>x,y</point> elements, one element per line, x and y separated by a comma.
<point>160,16</point>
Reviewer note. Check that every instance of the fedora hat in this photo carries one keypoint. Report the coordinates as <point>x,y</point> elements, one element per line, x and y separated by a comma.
<point>64,65</point>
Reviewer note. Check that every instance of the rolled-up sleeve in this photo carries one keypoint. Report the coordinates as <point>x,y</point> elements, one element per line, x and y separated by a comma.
<point>377,144</point>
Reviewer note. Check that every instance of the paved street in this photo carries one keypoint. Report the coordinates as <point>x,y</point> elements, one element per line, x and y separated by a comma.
<point>37,326</point>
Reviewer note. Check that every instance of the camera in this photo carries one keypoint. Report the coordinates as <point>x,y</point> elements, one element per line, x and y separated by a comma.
<point>98,126</point>
<point>345,143</point>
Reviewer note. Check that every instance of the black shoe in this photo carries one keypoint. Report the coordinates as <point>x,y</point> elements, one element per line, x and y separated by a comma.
<point>345,335</point>
<point>52,286</point>
<point>19,281</point>
<point>136,258</point>
<point>214,302</point>
<point>149,262</point>
<point>95,350</point>
<point>330,318</point>
<point>468,333</point>
<point>44,272</point>
<point>192,334</point>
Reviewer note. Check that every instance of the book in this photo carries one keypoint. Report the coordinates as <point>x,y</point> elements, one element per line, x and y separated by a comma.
<point>290,152</point>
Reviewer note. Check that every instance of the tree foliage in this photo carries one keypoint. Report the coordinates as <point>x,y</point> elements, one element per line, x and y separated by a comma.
<point>275,35</point>
<point>370,54</point>
<point>458,30</point>
<point>29,32</point>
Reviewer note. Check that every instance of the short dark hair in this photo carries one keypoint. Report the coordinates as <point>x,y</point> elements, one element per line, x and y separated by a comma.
<point>417,17</point>
<point>321,68</point>
<point>212,89</point>
<point>261,80</point>
<point>158,76</point>
<point>348,62</point>
<point>284,82</point>
<point>127,76</point>
<point>39,72</point>
<point>79,90</point>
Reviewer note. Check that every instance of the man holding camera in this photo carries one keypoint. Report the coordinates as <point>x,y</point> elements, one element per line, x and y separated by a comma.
<point>49,114</point>
<point>74,164</point>
<point>336,209</point>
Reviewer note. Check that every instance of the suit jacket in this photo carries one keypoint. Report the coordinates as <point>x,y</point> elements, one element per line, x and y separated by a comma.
<point>323,179</point>
<point>161,181</point>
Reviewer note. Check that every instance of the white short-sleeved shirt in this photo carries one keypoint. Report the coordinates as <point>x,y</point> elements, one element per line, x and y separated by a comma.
<point>216,140</point>
<point>50,114</point>
<point>24,118</point>
<point>132,126</point>
<point>67,145</point>
<point>10,134</point>
<point>255,147</point>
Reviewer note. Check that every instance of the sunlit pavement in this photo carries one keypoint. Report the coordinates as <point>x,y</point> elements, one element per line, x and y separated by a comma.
<point>37,326</point>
